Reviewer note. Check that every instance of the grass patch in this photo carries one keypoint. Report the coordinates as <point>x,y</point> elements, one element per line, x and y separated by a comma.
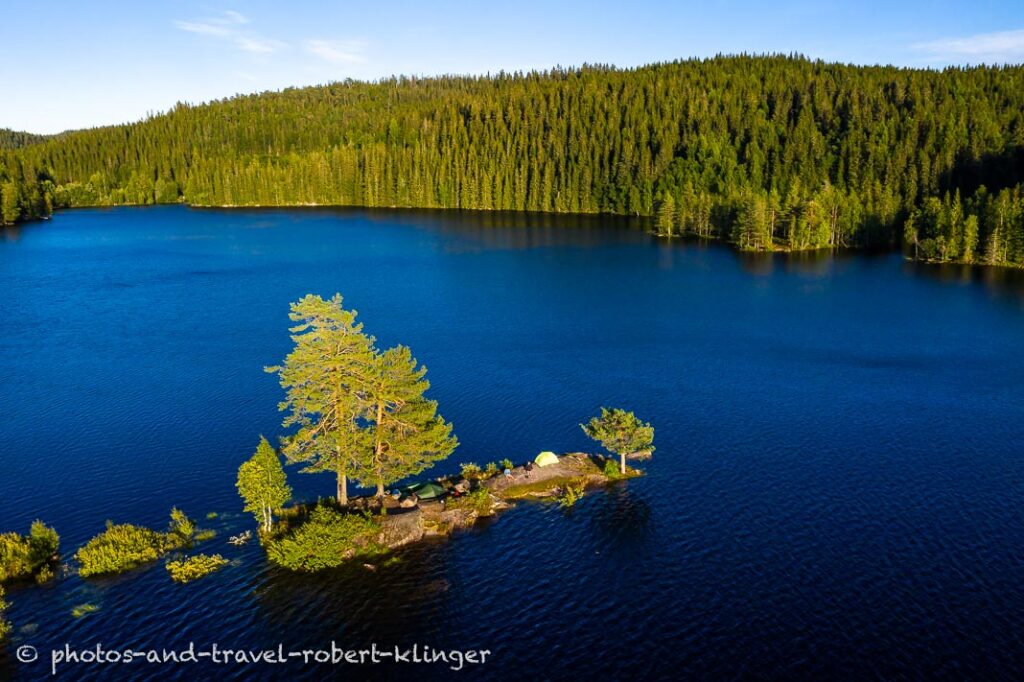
<point>195,567</point>
<point>84,610</point>
<point>535,488</point>
<point>612,473</point>
<point>28,556</point>
<point>437,527</point>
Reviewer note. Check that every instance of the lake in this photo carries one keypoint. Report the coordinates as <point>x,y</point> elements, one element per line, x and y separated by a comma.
<point>837,488</point>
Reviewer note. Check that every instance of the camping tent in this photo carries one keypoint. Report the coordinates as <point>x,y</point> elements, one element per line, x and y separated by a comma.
<point>427,490</point>
<point>545,458</point>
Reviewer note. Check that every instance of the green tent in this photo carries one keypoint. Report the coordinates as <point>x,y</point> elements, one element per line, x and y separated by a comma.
<point>426,491</point>
<point>545,458</point>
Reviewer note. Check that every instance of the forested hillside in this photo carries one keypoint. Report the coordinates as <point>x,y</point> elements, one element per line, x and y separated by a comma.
<point>13,139</point>
<point>769,152</point>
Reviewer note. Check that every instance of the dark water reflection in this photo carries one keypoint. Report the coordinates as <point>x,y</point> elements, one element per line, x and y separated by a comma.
<point>836,489</point>
<point>1002,282</point>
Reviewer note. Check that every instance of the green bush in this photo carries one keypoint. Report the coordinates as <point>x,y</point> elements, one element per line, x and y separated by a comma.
<point>611,469</point>
<point>571,494</point>
<point>193,568</point>
<point>491,470</point>
<point>15,557</point>
<point>507,464</point>
<point>182,526</point>
<point>120,548</point>
<point>479,501</point>
<point>44,542</point>
<point>470,470</point>
<point>44,575</point>
<point>123,547</point>
<point>326,539</point>
<point>24,556</point>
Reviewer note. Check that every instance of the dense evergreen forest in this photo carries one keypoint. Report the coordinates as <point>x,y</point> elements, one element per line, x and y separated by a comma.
<point>13,139</point>
<point>768,152</point>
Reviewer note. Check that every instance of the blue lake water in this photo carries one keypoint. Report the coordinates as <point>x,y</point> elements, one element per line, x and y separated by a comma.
<point>837,489</point>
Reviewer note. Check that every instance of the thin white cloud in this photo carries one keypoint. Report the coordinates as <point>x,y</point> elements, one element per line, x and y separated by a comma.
<point>225,25</point>
<point>258,45</point>
<point>203,28</point>
<point>337,51</point>
<point>233,17</point>
<point>1001,46</point>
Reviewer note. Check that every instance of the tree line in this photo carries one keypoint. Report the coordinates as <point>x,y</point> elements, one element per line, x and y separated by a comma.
<point>768,152</point>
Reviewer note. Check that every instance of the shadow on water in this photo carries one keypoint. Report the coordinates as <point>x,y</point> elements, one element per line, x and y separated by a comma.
<point>1007,282</point>
<point>508,230</point>
<point>12,233</point>
<point>620,517</point>
<point>378,604</point>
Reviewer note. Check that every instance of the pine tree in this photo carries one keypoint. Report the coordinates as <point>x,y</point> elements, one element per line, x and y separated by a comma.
<point>10,203</point>
<point>666,216</point>
<point>263,485</point>
<point>325,378</point>
<point>621,433</point>
<point>408,434</point>
<point>970,241</point>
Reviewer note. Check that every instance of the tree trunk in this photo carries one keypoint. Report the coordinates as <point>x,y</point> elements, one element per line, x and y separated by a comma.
<point>342,489</point>
<point>378,451</point>
<point>622,463</point>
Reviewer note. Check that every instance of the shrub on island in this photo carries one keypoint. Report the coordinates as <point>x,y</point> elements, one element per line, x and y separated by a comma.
<point>122,547</point>
<point>326,539</point>
<point>26,556</point>
<point>571,494</point>
<point>478,500</point>
<point>195,567</point>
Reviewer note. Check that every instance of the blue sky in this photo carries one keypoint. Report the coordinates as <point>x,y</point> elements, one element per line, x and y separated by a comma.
<point>68,64</point>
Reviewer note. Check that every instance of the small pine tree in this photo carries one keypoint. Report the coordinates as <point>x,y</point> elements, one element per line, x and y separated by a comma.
<point>620,432</point>
<point>666,215</point>
<point>263,484</point>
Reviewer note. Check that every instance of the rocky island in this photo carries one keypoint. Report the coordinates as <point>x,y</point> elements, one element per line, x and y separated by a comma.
<point>568,479</point>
